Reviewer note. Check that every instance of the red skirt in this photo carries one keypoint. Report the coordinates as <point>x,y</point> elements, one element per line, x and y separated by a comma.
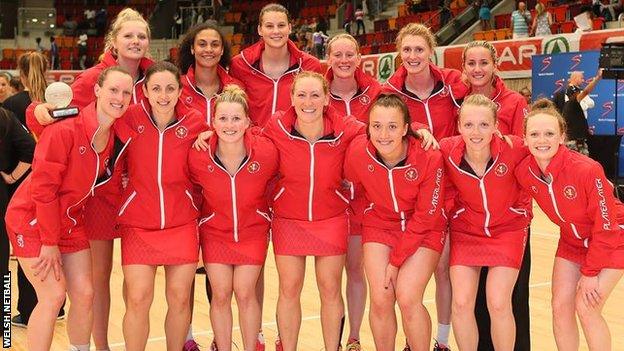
<point>28,245</point>
<point>100,217</point>
<point>328,237</point>
<point>170,246</point>
<point>391,238</point>
<point>577,255</point>
<point>504,249</point>
<point>245,252</point>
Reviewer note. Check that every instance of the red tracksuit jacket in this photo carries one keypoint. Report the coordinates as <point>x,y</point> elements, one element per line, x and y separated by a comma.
<point>358,106</point>
<point>580,201</point>
<point>310,181</point>
<point>512,107</point>
<point>265,95</point>
<point>235,207</point>
<point>494,203</point>
<point>193,97</point>
<point>65,170</point>
<point>159,191</point>
<point>406,198</point>
<point>83,91</point>
<point>438,111</point>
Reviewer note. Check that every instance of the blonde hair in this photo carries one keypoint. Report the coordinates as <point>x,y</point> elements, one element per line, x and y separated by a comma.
<point>479,100</point>
<point>273,8</point>
<point>346,36</point>
<point>539,9</point>
<point>126,15</point>
<point>416,29</point>
<point>547,107</point>
<point>234,94</point>
<point>481,44</point>
<point>310,74</point>
<point>33,67</point>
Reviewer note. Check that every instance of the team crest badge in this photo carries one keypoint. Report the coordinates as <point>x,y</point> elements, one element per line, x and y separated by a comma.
<point>82,150</point>
<point>141,128</point>
<point>501,169</point>
<point>411,174</point>
<point>371,168</point>
<point>570,192</point>
<point>181,132</point>
<point>365,99</point>
<point>253,167</point>
<point>20,240</point>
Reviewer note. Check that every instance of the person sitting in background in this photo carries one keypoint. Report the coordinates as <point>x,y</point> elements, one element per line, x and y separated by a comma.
<point>526,92</point>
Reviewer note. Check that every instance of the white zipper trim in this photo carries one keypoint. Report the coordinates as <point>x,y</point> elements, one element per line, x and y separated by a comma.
<point>390,179</point>
<point>482,188</point>
<point>208,100</point>
<point>369,208</point>
<point>428,113</point>
<point>458,212</point>
<point>274,104</point>
<point>311,195</point>
<point>403,220</point>
<point>126,203</point>
<point>279,193</point>
<point>115,163</point>
<point>188,193</point>
<point>340,196</point>
<point>33,222</point>
<point>205,219</point>
<point>519,211</point>
<point>91,190</point>
<point>134,88</point>
<point>264,215</point>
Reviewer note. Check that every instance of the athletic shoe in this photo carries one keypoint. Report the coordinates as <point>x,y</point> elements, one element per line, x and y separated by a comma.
<point>278,345</point>
<point>353,345</point>
<point>260,342</point>
<point>19,321</point>
<point>440,347</point>
<point>190,345</point>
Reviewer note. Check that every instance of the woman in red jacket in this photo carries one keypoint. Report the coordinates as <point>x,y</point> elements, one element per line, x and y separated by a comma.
<point>426,89</point>
<point>157,218</point>
<point>403,227</point>
<point>72,156</point>
<point>126,46</point>
<point>234,225</point>
<point>267,68</point>
<point>488,222</point>
<point>309,209</point>
<point>479,64</point>
<point>352,93</point>
<point>575,194</point>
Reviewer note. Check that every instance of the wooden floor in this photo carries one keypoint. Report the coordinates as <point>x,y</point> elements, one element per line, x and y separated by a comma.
<point>543,244</point>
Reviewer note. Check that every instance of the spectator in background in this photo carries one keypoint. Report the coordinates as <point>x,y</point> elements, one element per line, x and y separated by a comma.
<point>54,54</point>
<point>319,39</point>
<point>16,85</point>
<point>484,14</point>
<point>69,26</point>
<point>39,46</point>
<point>445,11</point>
<point>348,16</point>
<point>321,25</point>
<point>520,22</point>
<point>359,20</point>
<point>100,22</point>
<point>5,87</point>
<point>542,21</point>
<point>526,92</point>
<point>82,51</point>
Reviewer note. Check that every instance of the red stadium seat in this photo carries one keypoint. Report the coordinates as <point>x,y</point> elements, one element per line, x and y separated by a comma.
<point>501,21</point>
<point>598,23</point>
<point>560,13</point>
<point>554,28</point>
<point>567,27</point>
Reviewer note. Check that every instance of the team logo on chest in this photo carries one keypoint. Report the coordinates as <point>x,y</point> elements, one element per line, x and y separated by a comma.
<point>569,192</point>
<point>181,132</point>
<point>141,128</point>
<point>365,99</point>
<point>20,240</point>
<point>82,150</point>
<point>501,169</point>
<point>371,168</point>
<point>411,174</point>
<point>189,99</point>
<point>253,167</point>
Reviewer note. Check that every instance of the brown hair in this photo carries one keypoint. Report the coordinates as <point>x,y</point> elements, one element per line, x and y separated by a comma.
<point>234,94</point>
<point>163,66</point>
<point>481,101</point>
<point>310,74</point>
<point>273,8</point>
<point>547,107</point>
<point>104,74</point>
<point>416,29</point>
<point>393,101</point>
<point>33,66</point>
<point>126,15</point>
<point>342,36</point>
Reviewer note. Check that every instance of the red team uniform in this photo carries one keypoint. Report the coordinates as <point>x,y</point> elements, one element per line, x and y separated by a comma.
<point>438,111</point>
<point>575,194</point>
<point>405,203</point>
<point>235,214</point>
<point>158,218</point>
<point>266,95</point>
<point>309,209</point>
<point>195,98</point>
<point>48,207</point>
<point>491,214</point>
